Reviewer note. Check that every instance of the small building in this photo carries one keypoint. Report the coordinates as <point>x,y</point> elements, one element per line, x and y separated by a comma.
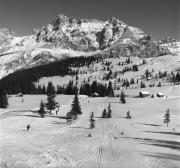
<point>95,94</point>
<point>144,94</point>
<point>19,95</point>
<point>83,96</point>
<point>160,94</point>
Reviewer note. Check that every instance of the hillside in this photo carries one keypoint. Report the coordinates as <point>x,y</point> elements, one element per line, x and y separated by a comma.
<point>123,73</point>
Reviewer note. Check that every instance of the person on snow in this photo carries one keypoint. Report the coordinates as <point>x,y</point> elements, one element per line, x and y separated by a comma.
<point>28,127</point>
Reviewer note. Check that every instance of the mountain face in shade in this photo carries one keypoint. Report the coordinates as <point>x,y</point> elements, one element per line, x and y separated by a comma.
<point>69,37</point>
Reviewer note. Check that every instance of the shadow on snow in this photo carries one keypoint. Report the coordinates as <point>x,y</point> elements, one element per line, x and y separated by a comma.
<point>155,142</point>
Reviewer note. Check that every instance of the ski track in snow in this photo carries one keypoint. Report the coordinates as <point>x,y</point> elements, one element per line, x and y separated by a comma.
<point>99,151</point>
<point>79,165</point>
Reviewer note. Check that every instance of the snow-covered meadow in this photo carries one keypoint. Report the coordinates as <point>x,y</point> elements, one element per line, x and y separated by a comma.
<point>141,142</point>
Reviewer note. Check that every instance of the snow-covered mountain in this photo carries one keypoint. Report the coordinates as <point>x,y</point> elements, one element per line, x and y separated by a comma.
<point>67,37</point>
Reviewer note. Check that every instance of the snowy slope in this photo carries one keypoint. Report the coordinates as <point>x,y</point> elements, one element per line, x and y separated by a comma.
<point>141,142</point>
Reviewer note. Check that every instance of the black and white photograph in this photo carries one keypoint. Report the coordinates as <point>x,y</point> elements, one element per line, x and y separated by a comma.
<point>89,83</point>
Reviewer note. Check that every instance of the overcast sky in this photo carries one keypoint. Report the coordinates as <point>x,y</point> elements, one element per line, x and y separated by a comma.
<point>158,18</point>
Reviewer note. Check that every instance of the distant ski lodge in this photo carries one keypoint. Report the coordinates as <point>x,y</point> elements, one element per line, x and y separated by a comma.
<point>160,94</point>
<point>19,95</point>
<point>144,94</point>
<point>95,94</point>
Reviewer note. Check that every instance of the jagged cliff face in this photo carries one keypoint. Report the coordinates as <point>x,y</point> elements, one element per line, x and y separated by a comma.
<point>79,35</point>
<point>6,37</point>
<point>66,37</point>
<point>92,35</point>
<point>87,35</point>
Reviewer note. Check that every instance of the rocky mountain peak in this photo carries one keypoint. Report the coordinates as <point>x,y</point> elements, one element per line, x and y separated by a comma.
<point>6,33</point>
<point>59,20</point>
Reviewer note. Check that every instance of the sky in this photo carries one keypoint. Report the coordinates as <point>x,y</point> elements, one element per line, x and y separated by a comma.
<point>158,18</point>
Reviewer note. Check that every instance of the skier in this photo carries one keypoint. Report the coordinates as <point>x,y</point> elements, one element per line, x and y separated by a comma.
<point>128,116</point>
<point>28,127</point>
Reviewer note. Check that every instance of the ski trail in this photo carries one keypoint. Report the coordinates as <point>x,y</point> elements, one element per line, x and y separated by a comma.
<point>100,149</point>
<point>98,155</point>
<point>107,139</point>
<point>107,136</point>
<point>74,153</point>
<point>78,163</point>
<point>111,142</point>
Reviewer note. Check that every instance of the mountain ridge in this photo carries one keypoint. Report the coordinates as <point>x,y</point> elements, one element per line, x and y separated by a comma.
<point>69,37</point>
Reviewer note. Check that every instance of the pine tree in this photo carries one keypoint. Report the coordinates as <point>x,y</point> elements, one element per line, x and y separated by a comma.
<point>109,114</point>
<point>3,98</point>
<point>104,114</point>
<point>144,61</point>
<point>127,83</point>
<point>75,107</point>
<point>51,103</point>
<point>132,81</point>
<point>142,85</point>
<point>94,86</point>
<point>110,90</point>
<point>167,117</point>
<point>178,76</point>
<point>147,73</point>
<point>44,90</point>
<point>42,110</point>
<point>92,121</point>
<point>122,97</point>
<point>159,84</point>
<point>135,68</point>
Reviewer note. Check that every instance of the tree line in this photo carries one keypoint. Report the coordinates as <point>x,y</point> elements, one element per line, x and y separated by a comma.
<point>22,81</point>
<point>101,89</point>
<point>85,89</point>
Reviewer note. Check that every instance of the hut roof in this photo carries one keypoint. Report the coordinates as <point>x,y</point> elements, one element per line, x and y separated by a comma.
<point>144,92</point>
